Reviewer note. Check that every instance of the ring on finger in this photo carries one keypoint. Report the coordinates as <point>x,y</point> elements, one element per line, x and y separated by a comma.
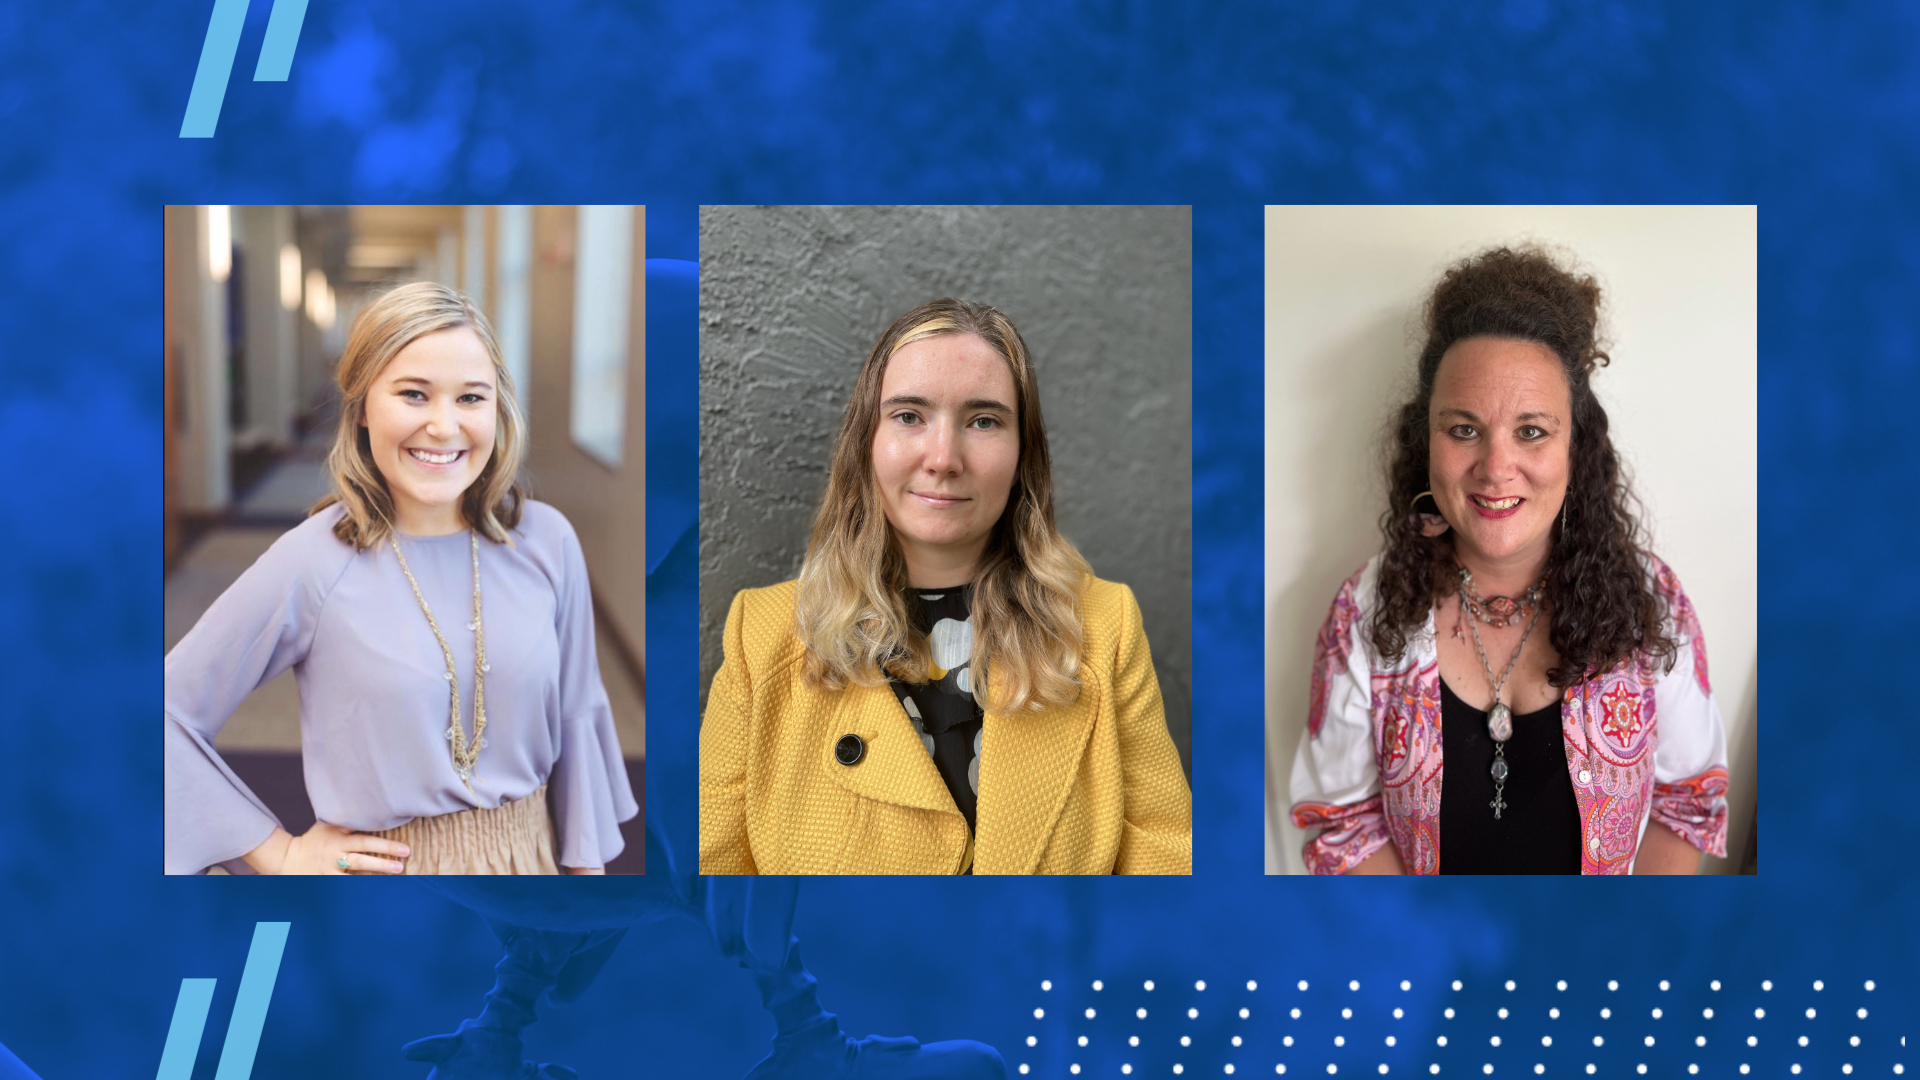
<point>342,863</point>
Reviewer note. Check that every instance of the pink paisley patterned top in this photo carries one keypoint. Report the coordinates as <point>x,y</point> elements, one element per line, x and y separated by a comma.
<point>1642,744</point>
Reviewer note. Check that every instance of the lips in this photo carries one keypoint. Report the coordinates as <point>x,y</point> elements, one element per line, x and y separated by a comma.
<point>1496,508</point>
<point>940,500</point>
<point>435,458</point>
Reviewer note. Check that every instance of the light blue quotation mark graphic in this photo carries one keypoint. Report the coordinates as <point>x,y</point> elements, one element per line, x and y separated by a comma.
<point>216,58</point>
<point>249,1008</point>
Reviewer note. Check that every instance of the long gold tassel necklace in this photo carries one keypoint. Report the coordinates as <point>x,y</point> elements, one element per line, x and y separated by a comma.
<point>465,752</point>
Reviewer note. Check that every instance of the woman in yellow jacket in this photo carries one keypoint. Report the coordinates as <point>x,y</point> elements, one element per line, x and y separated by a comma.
<point>946,688</point>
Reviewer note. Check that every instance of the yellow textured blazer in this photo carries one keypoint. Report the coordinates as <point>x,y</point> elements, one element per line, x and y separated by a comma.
<point>1093,788</point>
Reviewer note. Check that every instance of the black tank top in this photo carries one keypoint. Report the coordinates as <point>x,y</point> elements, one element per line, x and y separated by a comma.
<point>1538,831</point>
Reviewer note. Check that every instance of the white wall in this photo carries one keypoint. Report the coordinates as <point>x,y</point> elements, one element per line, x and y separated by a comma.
<point>602,286</point>
<point>607,504</point>
<point>270,355</point>
<point>512,311</point>
<point>203,468</point>
<point>1344,288</point>
<point>473,254</point>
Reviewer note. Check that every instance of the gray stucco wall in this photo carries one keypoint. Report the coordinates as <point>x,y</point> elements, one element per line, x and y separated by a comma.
<point>791,299</point>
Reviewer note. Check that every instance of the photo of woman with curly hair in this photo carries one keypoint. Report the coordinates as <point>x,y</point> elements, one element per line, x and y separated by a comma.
<point>1515,683</point>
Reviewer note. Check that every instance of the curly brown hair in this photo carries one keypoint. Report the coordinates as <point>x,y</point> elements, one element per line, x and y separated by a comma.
<point>1599,594</point>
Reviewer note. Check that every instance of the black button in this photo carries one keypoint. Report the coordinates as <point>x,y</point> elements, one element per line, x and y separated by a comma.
<point>849,750</point>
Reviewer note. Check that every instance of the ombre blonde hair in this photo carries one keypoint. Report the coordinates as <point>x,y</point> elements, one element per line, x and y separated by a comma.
<point>493,502</point>
<point>851,605</point>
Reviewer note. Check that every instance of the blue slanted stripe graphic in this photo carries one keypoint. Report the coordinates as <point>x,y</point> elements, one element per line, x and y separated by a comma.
<point>216,63</point>
<point>183,1037</point>
<point>250,1002</point>
<point>283,33</point>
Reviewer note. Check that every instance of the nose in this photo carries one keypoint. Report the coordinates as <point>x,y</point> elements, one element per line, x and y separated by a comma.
<point>1497,460</point>
<point>441,422</point>
<point>942,450</point>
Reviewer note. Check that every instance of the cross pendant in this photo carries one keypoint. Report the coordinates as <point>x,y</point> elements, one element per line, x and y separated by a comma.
<point>1498,805</point>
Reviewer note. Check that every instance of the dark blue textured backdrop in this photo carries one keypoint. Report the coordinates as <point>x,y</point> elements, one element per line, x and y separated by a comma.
<point>1226,106</point>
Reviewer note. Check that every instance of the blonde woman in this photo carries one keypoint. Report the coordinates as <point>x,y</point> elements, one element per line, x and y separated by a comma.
<point>440,628</point>
<point>947,688</point>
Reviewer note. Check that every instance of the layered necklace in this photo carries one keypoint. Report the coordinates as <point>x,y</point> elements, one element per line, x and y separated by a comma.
<point>465,752</point>
<point>1499,611</point>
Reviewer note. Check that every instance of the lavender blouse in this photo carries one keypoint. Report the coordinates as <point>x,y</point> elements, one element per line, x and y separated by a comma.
<point>373,689</point>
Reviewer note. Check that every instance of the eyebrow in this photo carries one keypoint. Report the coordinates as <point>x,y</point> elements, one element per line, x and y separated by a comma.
<point>481,383</point>
<point>1527,416</point>
<point>970,403</point>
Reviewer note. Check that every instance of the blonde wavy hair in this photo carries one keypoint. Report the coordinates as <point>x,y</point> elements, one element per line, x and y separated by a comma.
<point>492,504</point>
<point>851,607</point>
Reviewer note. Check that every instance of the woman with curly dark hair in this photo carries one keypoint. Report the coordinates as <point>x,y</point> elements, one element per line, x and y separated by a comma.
<point>1513,625</point>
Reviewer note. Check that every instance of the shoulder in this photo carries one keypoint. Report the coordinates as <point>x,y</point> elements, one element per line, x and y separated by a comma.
<point>1347,613</point>
<point>1111,627</point>
<point>1357,594</point>
<point>761,621</point>
<point>543,526</point>
<point>1111,623</point>
<point>1108,604</point>
<point>1666,583</point>
<point>310,552</point>
<point>546,540</point>
<point>300,568</point>
<point>1681,617</point>
<point>769,605</point>
<point>1109,616</point>
<point>1362,587</point>
<point>317,530</point>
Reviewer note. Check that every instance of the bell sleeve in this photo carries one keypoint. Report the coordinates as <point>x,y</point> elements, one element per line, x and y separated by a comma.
<point>262,625</point>
<point>1157,825</point>
<point>724,845</point>
<point>1336,781</point>
<point>1690,763</point>
<point>588,788</point>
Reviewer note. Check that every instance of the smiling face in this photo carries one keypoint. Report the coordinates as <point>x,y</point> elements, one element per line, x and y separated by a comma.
<point>945,453</point>
<point>430,418</point>
<point>1500,435</point>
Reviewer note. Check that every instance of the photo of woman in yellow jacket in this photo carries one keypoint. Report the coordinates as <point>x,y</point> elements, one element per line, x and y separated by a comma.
<point>946,688</point>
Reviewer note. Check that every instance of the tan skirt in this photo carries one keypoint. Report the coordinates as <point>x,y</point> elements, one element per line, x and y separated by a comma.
<point>513,838</point>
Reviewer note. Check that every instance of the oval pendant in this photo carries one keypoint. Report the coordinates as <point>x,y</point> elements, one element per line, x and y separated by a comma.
<point>1499,770</point>
<point>1500,722</point>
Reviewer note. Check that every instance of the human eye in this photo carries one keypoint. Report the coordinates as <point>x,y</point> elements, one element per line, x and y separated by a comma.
<point>986,423</point>
<point>907,417</point>
<point>1532,433</point>
<point>472,399</point>
<point>1462,432</point>
<point>410,394</point>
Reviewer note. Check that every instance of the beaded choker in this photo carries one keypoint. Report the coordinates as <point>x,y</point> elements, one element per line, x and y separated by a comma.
<point>1499,611</point>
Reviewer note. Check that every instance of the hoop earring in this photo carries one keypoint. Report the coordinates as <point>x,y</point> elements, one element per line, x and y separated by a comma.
<point>1430,525</point>
<point>1563,514</point>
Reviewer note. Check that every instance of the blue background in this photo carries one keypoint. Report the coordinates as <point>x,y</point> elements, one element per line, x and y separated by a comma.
<point>1225,106</point>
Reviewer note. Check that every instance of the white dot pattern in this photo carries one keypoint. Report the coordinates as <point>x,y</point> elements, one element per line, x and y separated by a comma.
<point>1366,1037</point>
